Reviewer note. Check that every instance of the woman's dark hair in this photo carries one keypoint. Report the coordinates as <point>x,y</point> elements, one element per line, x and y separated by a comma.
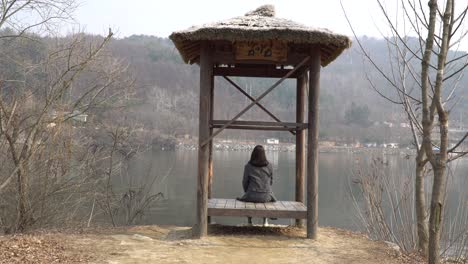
<point>258,157</point>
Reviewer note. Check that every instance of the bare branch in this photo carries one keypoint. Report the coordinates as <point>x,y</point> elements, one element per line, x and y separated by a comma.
<point>368,57</point>
<point>395,30</point>
<point>460,19</point>
<point>458,143</point>
<point>381,94</point>
<point>457,58</point>
<point>461,69</point>
<point>460,155</point>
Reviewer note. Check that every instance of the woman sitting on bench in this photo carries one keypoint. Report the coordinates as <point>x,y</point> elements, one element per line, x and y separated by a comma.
<point>257,180</point>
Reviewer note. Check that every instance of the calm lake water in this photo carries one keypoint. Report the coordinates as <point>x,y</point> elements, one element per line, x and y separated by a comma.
<point>174,173</point>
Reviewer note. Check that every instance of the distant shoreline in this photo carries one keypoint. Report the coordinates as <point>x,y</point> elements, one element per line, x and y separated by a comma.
<point>290,147</point>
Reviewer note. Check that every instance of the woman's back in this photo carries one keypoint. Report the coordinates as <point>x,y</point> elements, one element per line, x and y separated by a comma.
<point>257,179</point>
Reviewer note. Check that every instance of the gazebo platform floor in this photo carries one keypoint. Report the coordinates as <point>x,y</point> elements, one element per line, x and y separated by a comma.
<point>278,209</point>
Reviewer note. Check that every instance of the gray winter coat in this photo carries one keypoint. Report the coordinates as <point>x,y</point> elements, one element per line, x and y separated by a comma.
<point>257,183</point>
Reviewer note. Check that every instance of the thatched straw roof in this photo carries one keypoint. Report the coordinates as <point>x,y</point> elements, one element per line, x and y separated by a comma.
<point>260,24</point>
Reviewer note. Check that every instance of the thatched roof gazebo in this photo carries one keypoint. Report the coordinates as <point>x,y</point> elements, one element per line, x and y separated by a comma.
<point>260,45</point>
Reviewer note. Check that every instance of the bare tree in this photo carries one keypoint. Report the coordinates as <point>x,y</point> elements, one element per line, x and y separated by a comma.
<point>34,16</point>
<point>387,201</point>
<point>425,77</point>
<point>55,165</point>
<point>35,110</point>
<point>46,85</point>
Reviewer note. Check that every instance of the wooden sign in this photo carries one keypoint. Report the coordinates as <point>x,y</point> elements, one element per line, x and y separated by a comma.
<point>269,50</point>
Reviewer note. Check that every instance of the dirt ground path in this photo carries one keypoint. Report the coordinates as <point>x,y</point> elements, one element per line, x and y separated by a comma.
<point>240,245</point>
<point>154,244</point>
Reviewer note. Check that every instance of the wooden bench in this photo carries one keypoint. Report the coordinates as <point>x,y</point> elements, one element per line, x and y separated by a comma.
<point>278,209</point>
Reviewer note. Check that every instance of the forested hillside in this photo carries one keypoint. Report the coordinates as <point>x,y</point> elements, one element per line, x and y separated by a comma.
<point>350,109</point>
<point>163,99</point>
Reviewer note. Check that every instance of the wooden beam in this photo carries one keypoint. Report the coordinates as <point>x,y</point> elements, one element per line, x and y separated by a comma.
<point>266,128</point>
<point>312,146</point>
<point>228,57</point>
<point>253,99</point>
<point>292,71</point>
<point>300,141</point>
<point>259,71</point>
<point>206,75</point>
<point>257,213</point>
<point>261,123</point>
<point>224,54</point>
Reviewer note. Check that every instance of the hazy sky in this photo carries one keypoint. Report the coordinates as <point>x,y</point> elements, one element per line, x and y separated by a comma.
<point>160,18</point>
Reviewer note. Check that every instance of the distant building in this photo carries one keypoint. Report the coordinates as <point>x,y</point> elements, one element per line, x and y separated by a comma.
<point>370,145</point>
<point>75,116</point>
<point>83,118</point>
<point>273,141</point>
<point>388,124</point>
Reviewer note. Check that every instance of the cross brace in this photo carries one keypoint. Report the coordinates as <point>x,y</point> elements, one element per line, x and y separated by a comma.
<point>253,99</point>
<point>292,71</point>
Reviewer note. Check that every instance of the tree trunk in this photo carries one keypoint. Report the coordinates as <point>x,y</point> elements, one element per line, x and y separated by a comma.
<point>420,204</point>
<point>427,123</point>
<point>435,221</point>
<point>439,160</point>
<point>23,218</point>
<point>438,191</point>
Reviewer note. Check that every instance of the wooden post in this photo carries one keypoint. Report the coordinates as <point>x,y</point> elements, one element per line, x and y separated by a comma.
<point>210,157</point>
<point>312,145</point>
<point>206,75</point>
<point>300,141</point>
